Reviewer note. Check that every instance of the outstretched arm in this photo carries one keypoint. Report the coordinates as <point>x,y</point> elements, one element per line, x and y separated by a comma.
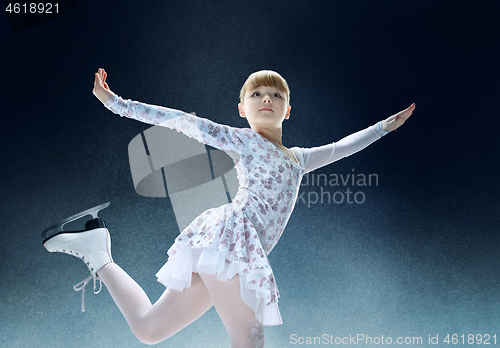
<point>220,136</point>
<point>359,140</point>
<point>317,157</point>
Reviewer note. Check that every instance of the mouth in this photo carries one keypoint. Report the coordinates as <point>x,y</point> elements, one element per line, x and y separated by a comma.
<point>266,109</point>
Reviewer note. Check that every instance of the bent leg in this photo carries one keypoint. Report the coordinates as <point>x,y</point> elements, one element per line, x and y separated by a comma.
<point>239,319</point>
<point>171,313</point>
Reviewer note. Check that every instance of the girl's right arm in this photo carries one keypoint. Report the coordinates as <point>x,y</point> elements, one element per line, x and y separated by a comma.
<point>222,137</point>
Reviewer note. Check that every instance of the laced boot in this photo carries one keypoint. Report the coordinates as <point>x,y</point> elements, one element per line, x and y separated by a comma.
<point>92,245</point>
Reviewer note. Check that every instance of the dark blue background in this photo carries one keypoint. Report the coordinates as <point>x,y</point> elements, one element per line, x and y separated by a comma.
<point>419,257</point>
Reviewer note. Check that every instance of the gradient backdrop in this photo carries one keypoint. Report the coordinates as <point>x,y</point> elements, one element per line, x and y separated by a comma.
<point>420,255</point>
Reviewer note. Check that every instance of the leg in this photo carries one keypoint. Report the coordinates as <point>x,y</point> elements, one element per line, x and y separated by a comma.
<point>150,323</point>
<point>154,323</point>
<point>244,329</point>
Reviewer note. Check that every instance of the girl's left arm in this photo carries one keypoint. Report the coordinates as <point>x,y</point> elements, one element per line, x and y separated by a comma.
<point>317,157</point>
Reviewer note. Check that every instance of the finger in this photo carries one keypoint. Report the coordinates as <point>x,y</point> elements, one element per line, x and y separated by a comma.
<point>402,117</point>
<point>408,114</point>
<point>98,80</point>
<point>401,120</point>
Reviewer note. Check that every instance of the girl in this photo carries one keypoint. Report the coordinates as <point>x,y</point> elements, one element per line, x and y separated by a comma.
<point>220,259</point>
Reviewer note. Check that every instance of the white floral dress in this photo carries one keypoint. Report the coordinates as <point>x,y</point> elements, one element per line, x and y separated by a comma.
<point>236,238</point>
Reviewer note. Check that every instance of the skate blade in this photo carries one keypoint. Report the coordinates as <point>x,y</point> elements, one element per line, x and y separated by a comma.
<point>57,228</point>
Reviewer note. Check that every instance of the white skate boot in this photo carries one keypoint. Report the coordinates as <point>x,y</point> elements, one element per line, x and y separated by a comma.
<point>92,245</point>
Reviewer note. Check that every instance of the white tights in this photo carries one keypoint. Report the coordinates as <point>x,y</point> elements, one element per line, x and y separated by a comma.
<point>175,310</point>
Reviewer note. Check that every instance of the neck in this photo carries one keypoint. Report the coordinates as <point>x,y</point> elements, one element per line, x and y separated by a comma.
<point>273,135</point>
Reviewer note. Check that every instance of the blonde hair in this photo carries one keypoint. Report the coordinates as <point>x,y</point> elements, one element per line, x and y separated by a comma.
<point>265,78</point>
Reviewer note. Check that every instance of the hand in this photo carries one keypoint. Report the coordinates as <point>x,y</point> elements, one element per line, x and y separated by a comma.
<point>101,89</point>
<point>395,121</point>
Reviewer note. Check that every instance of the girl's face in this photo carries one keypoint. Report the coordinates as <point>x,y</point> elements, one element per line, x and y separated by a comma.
<point>265,107</point>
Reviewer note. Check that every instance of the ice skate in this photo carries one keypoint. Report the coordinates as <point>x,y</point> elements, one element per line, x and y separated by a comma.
<point>92,245</point>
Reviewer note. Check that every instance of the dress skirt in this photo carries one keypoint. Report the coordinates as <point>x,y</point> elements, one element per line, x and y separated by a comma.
<point>223,241</point>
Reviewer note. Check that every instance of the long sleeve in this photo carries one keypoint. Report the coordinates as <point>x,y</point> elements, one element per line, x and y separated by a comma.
<point>317,157</point>
<point>222,137</point>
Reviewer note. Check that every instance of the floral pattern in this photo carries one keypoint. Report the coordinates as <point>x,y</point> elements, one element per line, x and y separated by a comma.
<point>247,229</point>
<point>238,236</point>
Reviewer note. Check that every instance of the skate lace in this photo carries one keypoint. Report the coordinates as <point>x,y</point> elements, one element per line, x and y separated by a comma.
<point>83,284</point>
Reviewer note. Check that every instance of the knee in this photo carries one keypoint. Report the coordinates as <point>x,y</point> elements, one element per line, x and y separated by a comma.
<point>253,338</point>
<point>145,334</point>
<point>145,338</point>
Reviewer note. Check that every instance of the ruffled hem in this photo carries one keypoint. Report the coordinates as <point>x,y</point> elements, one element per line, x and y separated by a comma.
<point>176,274</point>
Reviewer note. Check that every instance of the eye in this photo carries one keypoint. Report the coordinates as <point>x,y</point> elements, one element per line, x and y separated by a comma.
<point>258,93</point>
<point>277,95</point>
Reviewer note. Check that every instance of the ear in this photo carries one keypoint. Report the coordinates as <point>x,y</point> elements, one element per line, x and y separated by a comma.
<point>240,109</point>
<point>287,115</point>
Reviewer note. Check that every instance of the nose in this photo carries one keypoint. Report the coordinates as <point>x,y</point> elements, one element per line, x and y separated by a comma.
<point>267,98</point>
